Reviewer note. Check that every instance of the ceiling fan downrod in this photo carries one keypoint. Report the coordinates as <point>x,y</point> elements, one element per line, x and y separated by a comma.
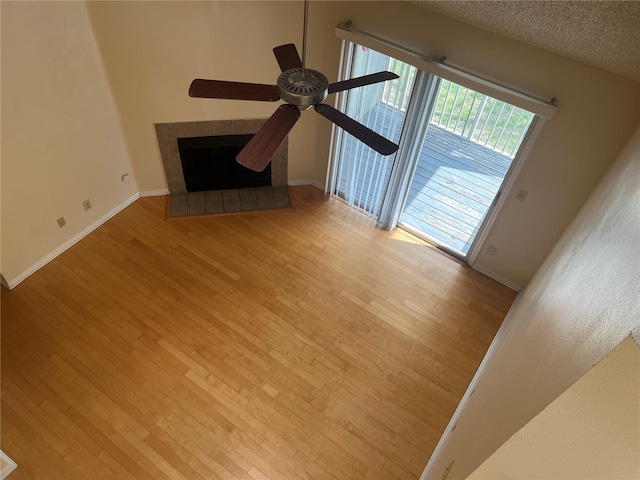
<point>304,36</point>
<point>301,86</point>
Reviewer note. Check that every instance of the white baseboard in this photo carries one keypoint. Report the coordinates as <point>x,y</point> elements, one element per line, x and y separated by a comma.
<point>498,278</point>
<point>296,183</point>
<point>69,243</point>
<point>10,283</point>
<point>8,466</point>
<point>497,339</point>
<point>154,193</point>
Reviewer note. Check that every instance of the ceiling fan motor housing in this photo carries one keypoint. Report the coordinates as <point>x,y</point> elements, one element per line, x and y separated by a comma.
<point>303,90</point>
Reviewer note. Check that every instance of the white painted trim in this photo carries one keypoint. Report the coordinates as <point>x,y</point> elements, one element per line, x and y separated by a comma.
<point>498,278</point>
<point>472,386</point>
<point>76,238</point>
<point>69,243</point>
<point>154,193</point>
<point>507,186</point>
<point>296,183</point>
<point>9,466</point>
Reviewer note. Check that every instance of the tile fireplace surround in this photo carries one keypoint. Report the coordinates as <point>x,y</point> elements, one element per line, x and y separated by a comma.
<point>183,203</point>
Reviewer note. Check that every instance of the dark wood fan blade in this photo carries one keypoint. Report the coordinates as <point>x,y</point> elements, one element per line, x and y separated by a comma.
<point>233,90</point>
<point>287,56</point>
<point>257,154</point>
<point>361,81</point>
<point>362,133</point>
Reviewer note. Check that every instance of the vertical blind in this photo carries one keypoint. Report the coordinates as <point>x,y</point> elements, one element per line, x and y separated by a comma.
<point>362,173</point>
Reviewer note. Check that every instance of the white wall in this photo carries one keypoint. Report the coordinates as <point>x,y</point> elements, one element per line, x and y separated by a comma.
<point>582,302</point>
<point>61,138</point>
<point>591,431</point>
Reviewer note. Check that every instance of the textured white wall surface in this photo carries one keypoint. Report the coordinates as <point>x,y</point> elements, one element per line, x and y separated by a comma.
<point>582,302</point>
<point>591,431</point>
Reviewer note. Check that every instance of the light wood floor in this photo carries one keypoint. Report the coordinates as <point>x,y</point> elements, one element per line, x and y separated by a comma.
<point>292,344</point>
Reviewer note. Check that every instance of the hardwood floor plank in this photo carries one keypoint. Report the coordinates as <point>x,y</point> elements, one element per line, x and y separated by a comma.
<point>301,343</point>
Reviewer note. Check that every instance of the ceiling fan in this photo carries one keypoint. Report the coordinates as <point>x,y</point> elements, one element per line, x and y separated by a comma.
<point>301,88</point>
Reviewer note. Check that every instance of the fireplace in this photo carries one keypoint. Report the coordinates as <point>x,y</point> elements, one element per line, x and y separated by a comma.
<point>201,199</point>
<point>169,133</point>
<point>209,163</point>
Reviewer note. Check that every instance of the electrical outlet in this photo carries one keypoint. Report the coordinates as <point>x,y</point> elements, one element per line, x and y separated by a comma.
<point>61,222</point>
<point>124,177</point>
<point>521,195</point>
<point>86,205</point>
<point>492,250</point>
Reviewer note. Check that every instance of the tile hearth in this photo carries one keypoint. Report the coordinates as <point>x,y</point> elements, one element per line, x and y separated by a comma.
<point>228,201</point>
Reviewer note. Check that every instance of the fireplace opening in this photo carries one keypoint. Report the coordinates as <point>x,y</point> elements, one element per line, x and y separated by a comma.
<point>209,163</point>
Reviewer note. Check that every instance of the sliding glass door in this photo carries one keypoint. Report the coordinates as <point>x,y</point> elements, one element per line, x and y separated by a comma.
<point>457,149</point>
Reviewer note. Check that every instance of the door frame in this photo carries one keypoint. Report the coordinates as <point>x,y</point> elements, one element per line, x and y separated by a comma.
<point>504,192</point>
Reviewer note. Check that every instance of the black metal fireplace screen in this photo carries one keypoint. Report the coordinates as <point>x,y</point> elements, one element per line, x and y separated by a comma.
<point>209,163</point>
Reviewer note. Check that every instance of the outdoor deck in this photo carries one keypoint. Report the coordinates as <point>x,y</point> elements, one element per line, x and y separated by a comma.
<point>454,183</point>
<point>453,187</point>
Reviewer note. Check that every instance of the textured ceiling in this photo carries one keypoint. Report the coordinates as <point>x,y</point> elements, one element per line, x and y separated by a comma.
<point>605,34</point>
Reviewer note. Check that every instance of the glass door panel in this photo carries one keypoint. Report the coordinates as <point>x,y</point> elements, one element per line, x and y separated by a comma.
<point>469,148</point>
<point>363,173</point>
